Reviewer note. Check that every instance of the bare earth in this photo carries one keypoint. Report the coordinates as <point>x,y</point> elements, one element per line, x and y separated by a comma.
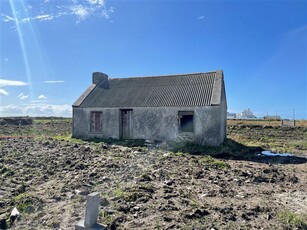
<point>48,179</point>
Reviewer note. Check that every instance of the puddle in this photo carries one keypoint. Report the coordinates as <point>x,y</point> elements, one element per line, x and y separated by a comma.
<point>269,153</point>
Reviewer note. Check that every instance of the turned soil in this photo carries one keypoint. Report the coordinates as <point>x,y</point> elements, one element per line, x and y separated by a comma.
<point>47,176</point>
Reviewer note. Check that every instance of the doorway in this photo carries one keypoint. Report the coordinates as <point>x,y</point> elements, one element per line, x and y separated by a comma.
<point>126,124</point>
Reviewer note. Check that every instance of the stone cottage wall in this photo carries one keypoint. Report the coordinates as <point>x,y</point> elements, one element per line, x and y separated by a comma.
<point>155,123</point>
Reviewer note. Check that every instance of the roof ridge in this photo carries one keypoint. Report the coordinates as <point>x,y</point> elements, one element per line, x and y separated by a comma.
<point>166,75</point>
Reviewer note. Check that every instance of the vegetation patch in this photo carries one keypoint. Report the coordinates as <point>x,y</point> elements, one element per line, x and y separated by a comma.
<point>229,149</point>
<point>27,203</point>
<point>292,220</point>
<point>211,161</point>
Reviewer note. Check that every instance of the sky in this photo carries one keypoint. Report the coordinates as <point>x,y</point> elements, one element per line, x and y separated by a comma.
<point>50,48</point>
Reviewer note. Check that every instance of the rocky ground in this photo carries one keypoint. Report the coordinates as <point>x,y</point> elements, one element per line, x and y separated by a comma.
<point>48,178</point>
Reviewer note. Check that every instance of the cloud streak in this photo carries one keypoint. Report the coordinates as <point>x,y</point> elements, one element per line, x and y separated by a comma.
<point>79,10</point>
<point>3,92</point>
<point>21,96</point>
<point>4,82</point>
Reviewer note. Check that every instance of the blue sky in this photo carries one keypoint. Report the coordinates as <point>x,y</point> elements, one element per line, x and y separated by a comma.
<point>49,49</point>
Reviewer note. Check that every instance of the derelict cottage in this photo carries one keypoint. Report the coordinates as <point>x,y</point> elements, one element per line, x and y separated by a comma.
<point>185,107</point>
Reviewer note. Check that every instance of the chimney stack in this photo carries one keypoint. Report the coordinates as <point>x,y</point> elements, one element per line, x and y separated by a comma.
<point>101,79</point>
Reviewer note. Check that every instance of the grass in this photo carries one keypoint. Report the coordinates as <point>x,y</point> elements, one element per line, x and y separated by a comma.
<point>211,161</point>
<point>118,192</point>
<point>228,148</point>
<point>22,201</point>
<point>292,220</point>
<point>263,123</point>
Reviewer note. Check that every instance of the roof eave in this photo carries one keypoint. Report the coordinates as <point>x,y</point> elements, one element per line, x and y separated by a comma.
<point>86,93</point>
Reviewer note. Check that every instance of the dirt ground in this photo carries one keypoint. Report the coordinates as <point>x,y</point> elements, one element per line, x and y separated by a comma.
<point>47,177</point>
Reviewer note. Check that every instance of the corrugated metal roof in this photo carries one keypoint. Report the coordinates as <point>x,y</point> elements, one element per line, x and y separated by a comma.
<point>161,91</point>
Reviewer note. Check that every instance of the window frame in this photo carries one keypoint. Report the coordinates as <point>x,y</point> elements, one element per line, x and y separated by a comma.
<point>180,116</point>
<point>97,127</point>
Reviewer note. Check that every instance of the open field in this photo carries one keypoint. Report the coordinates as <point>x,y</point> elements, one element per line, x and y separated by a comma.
<point>263,123</point>
<point>48,175</point>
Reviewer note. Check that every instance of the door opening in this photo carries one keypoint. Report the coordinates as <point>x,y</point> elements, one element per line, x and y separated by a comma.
<point>126,124</point>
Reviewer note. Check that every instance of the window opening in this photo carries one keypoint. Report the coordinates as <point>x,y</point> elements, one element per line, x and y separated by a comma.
<point>186,121</point>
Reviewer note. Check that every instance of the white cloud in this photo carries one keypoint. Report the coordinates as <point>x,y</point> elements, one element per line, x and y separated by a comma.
<point>111,9</point>
<point>57,81</point>
<point>21,96</point>
<point>3,92</point>
<point>4,82</point>
<point>42,97</point>
<point>11,110</point>
<point>98,2</point>
<point>36,110</point>
<point>45,17</point>
<point>49,10</point>
<point>201,17</point>
<point>7,18</point>
<point>80,11</point>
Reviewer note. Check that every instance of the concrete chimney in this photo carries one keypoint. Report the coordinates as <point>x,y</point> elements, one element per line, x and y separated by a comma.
<point>101,79</point>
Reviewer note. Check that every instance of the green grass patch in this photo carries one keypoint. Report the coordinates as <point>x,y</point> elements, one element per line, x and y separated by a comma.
<point>23,201</point>
<point>292,220</point>
<point>208,160</point>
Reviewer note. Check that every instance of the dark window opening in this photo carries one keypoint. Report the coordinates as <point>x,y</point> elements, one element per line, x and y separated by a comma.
<point>96,122</point>
<point>186,123</point>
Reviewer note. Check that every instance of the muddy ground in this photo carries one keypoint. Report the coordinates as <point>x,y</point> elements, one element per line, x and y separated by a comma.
<point>47,179</point>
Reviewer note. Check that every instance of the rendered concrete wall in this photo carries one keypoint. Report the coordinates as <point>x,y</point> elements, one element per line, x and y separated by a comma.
<point>155,123</point>
<point>223,115</point>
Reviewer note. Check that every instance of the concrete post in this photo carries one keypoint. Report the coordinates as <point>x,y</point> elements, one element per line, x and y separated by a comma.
<point>91,214</point>
<point>92,209</point>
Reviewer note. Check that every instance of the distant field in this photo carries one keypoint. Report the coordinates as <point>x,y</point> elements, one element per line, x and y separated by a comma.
<point>298,123</point>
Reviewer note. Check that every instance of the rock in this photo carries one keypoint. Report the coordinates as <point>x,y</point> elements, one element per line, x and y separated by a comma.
<point>169,182</point>
<point>246,216</point>
<point>3,224</point>
<point>198,213</point>
<point>167,218</point>
<point>2,204</point>
<point>82,192</point>
<point>145,178</point>
<point>104,146</point>
<point>104,202</point>
<point>30,209</point>
<point>15,214</point>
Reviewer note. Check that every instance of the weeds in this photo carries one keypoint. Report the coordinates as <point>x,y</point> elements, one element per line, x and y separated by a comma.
<point>211,161</point>
<point>23,201</point>
<point>292,220</point>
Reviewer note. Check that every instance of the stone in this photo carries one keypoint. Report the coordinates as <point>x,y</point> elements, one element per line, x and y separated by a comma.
<point>15,214</point>
<point>104,202</point>
<point>3,224</point>
<point>91,214</point>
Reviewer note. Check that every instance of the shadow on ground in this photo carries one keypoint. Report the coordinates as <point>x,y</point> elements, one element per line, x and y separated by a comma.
<point>232,150</point>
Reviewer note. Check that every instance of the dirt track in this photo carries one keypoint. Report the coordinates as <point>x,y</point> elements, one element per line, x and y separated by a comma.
<point>48,180</point>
